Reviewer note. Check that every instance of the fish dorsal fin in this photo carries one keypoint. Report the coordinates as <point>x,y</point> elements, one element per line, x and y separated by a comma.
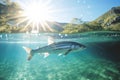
<point>50,40</point>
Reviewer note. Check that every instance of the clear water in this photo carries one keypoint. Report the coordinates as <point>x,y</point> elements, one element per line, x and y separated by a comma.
<point>100,61</point>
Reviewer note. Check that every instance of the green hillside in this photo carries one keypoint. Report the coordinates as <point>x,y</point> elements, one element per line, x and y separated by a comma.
<point>7,10</point>
<point>8,20</point>
<point>110,21</point>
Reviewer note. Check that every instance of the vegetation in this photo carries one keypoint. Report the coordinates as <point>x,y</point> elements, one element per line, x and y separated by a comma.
<point>110,21</point>
<point>7,10</point>
<point>82,27</point>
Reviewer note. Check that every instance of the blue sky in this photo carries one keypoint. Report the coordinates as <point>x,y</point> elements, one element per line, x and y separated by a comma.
<point>87,10</point>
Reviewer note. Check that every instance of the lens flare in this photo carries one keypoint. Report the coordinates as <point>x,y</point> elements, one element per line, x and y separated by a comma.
<point>36,14</point>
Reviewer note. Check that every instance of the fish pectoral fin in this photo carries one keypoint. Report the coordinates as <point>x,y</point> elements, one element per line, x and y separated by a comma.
<point>59,54</point>
<point>67,51</point>
<point>46,54</point>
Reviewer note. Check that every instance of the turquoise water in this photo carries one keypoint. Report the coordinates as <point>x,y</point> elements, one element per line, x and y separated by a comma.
<point>99,61</point>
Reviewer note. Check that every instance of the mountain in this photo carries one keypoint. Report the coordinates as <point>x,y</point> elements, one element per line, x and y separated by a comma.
<point>2,8</point>
<point>9,24</point>
<point>47,26</point>
<point>57,26</point>
<point>110,20</point>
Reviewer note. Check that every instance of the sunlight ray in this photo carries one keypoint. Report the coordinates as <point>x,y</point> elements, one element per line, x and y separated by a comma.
<point>43,26</point>
<point>48,27</point>
<point>35,15</point>
<point>28,23</point>
<point>21,21</point>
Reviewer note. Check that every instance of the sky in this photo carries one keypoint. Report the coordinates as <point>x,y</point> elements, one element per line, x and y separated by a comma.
<point>86,10</point>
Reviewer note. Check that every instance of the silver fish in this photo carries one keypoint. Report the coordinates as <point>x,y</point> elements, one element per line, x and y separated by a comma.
<point>59,48</point>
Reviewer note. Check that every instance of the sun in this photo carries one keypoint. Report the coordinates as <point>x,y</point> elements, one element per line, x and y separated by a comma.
<point>36,13</point>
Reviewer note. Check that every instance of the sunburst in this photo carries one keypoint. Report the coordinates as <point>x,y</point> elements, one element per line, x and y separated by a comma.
<point>36,14</point>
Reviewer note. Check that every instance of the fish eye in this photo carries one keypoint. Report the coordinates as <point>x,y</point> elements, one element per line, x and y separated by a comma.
<point>83,46</point>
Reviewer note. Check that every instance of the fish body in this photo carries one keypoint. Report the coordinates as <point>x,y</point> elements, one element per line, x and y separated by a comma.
<point>63,47</point>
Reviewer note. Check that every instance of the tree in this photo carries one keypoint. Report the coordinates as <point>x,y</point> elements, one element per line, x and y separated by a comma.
<point>8,9</point>
<point>76,21</point>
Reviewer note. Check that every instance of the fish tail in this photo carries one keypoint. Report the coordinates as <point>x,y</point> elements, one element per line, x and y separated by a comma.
<point>28,51</point>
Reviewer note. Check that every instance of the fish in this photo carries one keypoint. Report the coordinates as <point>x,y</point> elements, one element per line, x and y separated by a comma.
<point>60,48</point>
